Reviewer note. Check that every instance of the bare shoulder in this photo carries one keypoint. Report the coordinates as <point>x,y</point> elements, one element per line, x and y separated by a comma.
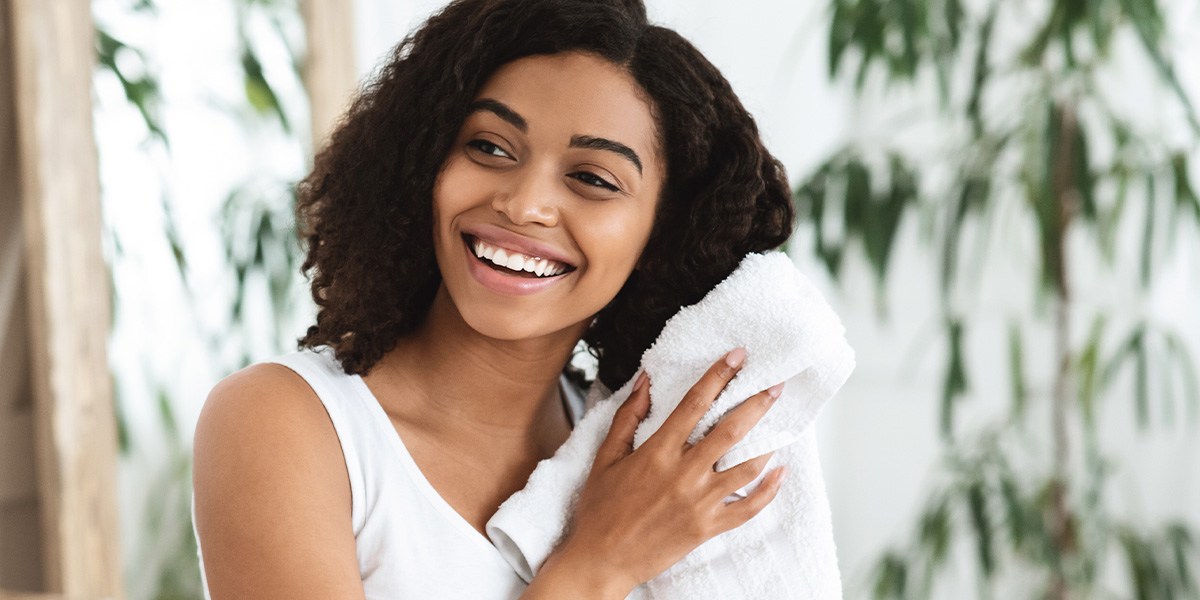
<point>272,493</point>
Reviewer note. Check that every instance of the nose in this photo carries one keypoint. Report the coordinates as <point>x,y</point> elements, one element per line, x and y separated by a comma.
<point>533,199</point>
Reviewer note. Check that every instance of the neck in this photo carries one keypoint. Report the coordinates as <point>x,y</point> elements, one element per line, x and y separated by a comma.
<point>456,379</point>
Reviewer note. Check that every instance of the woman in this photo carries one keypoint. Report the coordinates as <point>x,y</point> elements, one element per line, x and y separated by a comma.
<point>521,176</point>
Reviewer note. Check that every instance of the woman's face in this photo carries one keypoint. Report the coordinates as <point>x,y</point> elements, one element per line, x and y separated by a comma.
<point>555,175</point>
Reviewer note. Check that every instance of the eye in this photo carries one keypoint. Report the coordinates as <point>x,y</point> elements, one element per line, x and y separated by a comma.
<point>488,148</point>
<point>594,180</point>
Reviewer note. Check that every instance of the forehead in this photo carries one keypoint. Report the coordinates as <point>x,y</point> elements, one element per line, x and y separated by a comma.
<point>574,93</point>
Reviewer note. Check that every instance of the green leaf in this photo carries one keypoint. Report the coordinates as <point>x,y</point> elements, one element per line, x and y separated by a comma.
<point>910,28</point>
<point>1147,254</point>
<point>124,441</point>
<point>1182,545</point>
<point>141,92</point>
<point>1139,563</point>
<point>1089,370</point>
<point>1142,382</point>
<point>980,73</point>
<point>971,199</point>
<point>1047,201</point>
<point>1100,25</point>
<point>166,412</point>
<point>955,384</point>
<point>1185,195</point>
<point>841,31</point>
<point>259,93</point>
<point>891,578</point>
<point>952,14</point>
<point>883,218</point>
<point>934,531</point>
<point>1186,363</point>
<point>981,524</point>
<point>1149,26</point>
<point>1016,371</point>
<point>1083,179</point>
<point>810,200</point>
<point>1014,509</point>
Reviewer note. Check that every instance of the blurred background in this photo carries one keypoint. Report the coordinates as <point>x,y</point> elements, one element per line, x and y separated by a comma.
<point>999,198</point>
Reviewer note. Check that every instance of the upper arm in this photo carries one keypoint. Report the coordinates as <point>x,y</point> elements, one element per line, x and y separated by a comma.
<point>272,493</point>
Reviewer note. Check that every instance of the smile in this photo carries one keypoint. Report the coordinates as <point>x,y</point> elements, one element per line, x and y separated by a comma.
<point>515,280</point>
<point>515,262</point>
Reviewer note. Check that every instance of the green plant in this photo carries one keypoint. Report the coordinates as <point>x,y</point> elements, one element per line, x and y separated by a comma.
<point>255,226</point>
<point>1031,129</point>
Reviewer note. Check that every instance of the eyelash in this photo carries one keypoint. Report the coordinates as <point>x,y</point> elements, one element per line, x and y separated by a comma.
<point>479,144</point>
<point>587,178</point>
<point>600,182</point>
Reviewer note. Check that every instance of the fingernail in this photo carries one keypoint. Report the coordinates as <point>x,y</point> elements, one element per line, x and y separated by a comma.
<point>641,381</point>
<point>775,390</point>
<point>735,357</point>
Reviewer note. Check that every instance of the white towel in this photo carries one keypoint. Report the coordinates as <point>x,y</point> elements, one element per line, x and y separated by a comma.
<point>790,334</point>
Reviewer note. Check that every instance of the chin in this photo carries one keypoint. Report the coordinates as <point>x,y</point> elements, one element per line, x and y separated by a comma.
<point>507,327</point>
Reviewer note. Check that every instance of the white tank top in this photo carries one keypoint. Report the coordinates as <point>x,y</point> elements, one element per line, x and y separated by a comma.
<point>410,542</point>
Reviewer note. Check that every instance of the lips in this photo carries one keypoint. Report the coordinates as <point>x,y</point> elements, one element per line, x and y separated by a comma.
<point>511,242</point>
<point>505,282</point>
<point>515,262</point>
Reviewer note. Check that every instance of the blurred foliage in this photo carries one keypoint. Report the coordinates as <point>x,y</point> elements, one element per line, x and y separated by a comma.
<point>1023,124</point>
<point>259,246</point>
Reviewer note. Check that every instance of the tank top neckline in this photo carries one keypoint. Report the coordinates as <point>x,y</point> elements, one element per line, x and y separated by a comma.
<point>435,498</point>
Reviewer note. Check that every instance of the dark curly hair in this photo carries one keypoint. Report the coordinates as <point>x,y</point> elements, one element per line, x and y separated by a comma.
<point>365,210</point>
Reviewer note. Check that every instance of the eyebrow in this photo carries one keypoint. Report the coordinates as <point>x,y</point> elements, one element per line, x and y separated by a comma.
<point>501,110</point>
<point>599,143</point>
<point>578,141</point>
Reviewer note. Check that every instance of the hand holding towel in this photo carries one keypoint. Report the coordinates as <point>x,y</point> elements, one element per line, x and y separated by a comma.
<point>790,334</point>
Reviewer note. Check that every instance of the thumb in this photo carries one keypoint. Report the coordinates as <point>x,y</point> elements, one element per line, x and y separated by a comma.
<point>619,442</point>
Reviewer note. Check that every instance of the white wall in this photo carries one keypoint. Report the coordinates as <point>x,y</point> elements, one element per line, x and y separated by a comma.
<point>879,437</point>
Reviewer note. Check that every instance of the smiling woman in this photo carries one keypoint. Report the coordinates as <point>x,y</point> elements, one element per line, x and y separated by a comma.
<point>538,183</point>
<point>523,175</point>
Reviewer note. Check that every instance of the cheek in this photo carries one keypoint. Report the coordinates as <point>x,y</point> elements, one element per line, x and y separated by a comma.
<point>617,240</point>
<point>452,194</point>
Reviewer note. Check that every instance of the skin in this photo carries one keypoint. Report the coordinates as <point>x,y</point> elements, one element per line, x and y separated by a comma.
<point>480,375</point>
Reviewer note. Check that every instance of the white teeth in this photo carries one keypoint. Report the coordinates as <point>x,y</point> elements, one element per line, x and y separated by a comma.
<point>516,261</point>
<point>500,257</point>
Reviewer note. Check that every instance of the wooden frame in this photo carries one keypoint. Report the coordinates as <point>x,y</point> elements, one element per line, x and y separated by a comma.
<point>52,46</point>
<point>48,87</point>
<point>330,74</point>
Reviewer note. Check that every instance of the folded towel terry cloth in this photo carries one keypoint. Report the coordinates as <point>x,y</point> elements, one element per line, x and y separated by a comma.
<point>790,334</point>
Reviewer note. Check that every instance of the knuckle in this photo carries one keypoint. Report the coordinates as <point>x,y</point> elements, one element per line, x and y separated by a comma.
<point>726,436</point>
<point>725,372</point>
<point>660,462</point>
<point>765,401</point>
<point>694,402</point>
<point>628,407</point>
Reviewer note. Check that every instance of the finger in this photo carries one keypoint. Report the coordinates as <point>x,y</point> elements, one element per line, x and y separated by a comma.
<point>697,401</point>
<point>739,476</point>
<point>619,442</point>
<point>735,425</point>
<point>737,513</point>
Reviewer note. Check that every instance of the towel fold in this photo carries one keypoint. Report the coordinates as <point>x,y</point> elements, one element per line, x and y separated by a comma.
<point>790,334</point>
